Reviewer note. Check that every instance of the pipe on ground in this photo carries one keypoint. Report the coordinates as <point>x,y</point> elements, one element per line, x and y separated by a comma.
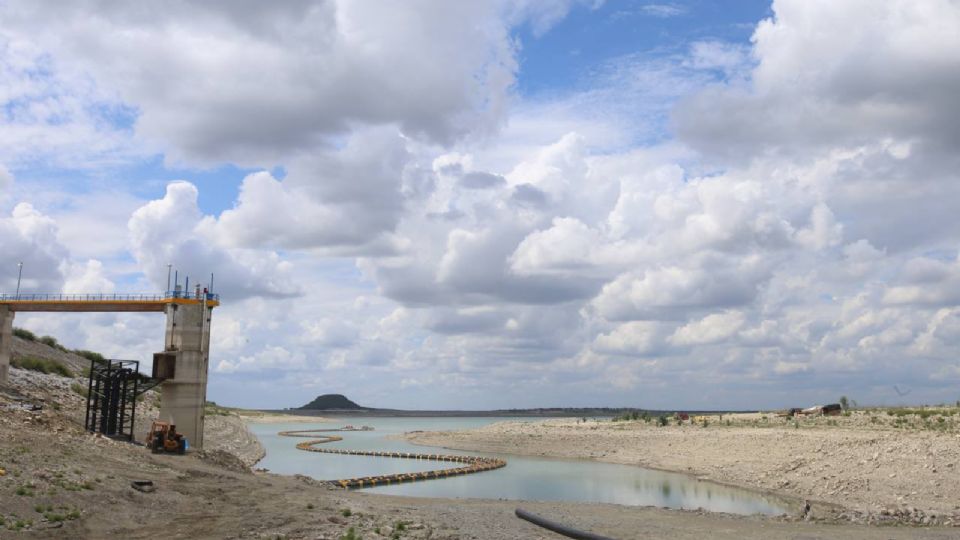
<point>558,528</point>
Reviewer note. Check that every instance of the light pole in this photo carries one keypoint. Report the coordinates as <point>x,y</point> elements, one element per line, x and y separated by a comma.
<point>169,266</point>
<point>19,275</point>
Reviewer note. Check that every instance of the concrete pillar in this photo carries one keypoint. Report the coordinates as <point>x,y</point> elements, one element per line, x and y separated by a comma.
<point>6,341</point>
<point>184,396</point>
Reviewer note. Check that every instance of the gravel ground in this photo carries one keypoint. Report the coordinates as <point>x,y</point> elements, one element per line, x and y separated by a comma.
<point>57,481</point>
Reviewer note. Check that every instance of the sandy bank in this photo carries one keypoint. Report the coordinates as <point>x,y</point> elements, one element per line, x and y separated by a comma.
<point>874,472</point>
<point>256,417</point>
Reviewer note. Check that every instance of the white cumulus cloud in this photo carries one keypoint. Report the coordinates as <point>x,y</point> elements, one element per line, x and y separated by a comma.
<point>172,230</point>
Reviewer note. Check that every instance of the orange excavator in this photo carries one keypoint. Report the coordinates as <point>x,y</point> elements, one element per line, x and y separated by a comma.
<point>163,437</point>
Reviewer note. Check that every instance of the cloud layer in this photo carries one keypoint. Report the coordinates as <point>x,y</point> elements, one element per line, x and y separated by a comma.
<point>251,83</point>
<point>433,237</point>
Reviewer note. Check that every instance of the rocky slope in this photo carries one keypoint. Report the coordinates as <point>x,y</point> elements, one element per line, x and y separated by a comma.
<point>223,431</point>
<point>23,348</point>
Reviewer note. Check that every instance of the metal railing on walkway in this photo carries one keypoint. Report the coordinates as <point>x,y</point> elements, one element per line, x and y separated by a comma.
<point>24,297</point>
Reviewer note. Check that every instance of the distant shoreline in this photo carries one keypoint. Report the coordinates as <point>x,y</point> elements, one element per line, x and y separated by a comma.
<point>270,417</point>
<point>510,413</point>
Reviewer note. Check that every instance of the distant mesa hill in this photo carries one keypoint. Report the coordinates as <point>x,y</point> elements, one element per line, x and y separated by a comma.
<point>330,402</point>
<point>338,405</point>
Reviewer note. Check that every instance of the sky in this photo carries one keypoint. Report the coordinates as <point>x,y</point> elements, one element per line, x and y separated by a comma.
<point>515,203</point>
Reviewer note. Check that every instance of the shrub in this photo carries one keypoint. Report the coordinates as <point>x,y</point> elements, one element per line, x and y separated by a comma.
<point>844,403</point>
<point>79,389</point>
<point>51,341</point>
<point>346,512</point>
<point>42,365</point>
<point>351,535</point>
<point>629,415</point>
<point>60,369</point>
<point>212,409</point>
<point>90,355</point>
<point>922,413</point>
<point>23,333</point>
<point>662,420</point>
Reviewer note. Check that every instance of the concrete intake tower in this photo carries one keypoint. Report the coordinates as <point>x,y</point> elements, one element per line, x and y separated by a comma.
<point>183,363</point>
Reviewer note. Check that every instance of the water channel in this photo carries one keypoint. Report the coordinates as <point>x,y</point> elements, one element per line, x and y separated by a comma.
<point>524,478</point>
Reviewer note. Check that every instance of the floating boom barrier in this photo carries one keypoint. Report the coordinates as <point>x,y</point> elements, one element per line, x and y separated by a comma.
<point>474,464</point>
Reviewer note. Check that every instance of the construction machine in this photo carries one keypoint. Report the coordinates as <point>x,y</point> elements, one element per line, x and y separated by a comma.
<point>163,437</point>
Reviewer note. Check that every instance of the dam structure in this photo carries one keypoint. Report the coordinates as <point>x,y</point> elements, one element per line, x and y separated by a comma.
<point>183,363</point>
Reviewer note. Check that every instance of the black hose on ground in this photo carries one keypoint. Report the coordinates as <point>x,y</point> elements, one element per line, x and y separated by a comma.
<point>558,528</point>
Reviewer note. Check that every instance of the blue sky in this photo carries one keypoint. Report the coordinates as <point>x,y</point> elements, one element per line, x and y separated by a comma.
<point>566,56</point>
<point>501,204</point>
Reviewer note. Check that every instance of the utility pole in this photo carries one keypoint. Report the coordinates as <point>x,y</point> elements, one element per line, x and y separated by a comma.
<point>169,267</point>
<point>19,275</point>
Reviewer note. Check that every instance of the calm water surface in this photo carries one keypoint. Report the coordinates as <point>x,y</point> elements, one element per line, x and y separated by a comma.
<point>524,478</point>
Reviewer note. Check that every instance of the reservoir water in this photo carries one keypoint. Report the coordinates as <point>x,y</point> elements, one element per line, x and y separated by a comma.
<point>524,478</point>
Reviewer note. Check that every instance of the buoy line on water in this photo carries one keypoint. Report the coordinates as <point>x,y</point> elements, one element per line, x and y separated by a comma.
<point>475,464</point>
